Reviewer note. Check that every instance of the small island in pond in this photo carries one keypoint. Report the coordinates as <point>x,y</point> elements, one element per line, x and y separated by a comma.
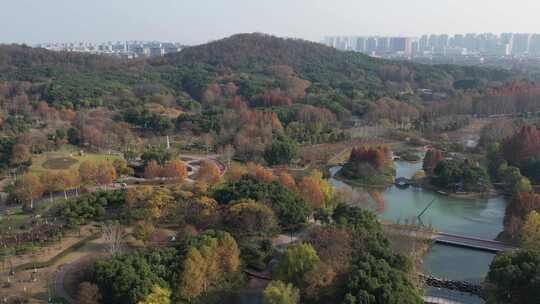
<point>454,175</point>
<point>371,166</point>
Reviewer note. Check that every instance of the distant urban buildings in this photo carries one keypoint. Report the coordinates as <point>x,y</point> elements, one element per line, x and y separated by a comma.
<point>485,44</point>
<point>123,49</point>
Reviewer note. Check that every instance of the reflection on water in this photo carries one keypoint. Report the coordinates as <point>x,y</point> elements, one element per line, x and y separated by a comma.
<point>473,217</point>
<point>457,263</point>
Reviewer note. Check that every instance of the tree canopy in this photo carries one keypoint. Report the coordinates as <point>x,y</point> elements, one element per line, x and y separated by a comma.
<point>514,277</point>
<point>289,208</point>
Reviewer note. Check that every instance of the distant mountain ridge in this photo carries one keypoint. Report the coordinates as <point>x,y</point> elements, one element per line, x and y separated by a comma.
<point>247,49</point>
<point>255,64</point>
<point>319,63</point>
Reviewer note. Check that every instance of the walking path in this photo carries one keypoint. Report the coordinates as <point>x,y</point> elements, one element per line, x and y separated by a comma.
<point>59,289</point>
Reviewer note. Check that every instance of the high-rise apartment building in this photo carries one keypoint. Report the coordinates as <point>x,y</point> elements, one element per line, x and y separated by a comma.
<point>520,44</point>
<point>371,45</point>
<point>360,44</point>
<point>423,43</point>
<point>383,44</point>
<point>534,45</point>
<point>401,45</point>
<point>471,44</point>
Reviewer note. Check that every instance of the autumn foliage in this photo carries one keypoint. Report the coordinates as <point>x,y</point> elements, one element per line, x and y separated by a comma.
<point>370,165</point>
<point>88,172</point>
<point>106,173</point>
<point>375,157</point>
<point>207,264</point>
<point>260,173</point>
<point>152,170</point>
<point>208,172</point>
<point>235,172</point>
<point>432,159</point>
<point>517,211</point>
<point>173,170</point>
<point>287,181</point>
<point>271,99</point>
<point>522,146</point>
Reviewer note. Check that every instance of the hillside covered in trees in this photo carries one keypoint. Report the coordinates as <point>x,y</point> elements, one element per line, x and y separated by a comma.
<point>245,65</point>
<point>197,166</point>
<point>252,86</point>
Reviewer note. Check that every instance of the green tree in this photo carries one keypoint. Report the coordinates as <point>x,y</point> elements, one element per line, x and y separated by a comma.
<point>295,263</point>
<point>282,151</point>
<point>129,278</point>
<point>454,175</point>
<point>524,185</point>
<point>513,181</point>
<point>377,274</point>
<point>248,217</point>
<point>159,154</point>
<point>278,292</point>
<point>290,209</point>
<point>513,278</point>
<point>121,167</point>
<point>372,280</point>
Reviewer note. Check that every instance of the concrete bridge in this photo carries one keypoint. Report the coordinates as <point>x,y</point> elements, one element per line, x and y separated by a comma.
<point>473,243</point>
<point>437,300</point>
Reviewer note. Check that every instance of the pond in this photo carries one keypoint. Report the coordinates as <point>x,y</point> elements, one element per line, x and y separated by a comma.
<point>472,217</point>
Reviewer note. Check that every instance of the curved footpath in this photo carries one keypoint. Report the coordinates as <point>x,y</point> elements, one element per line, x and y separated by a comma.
<point>59,289</point>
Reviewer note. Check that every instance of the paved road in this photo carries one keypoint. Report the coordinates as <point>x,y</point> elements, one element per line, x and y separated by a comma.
<point>191,162</point>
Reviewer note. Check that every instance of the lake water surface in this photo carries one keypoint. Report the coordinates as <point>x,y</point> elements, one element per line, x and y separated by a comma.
<point>472,217</point>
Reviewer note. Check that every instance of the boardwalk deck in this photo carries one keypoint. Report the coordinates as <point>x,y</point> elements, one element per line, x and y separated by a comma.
<point>471,243</point>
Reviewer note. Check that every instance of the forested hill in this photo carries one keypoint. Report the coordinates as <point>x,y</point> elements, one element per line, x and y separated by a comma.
<point>258,69</point>
<point>252,51</point>
<point>318,63</point>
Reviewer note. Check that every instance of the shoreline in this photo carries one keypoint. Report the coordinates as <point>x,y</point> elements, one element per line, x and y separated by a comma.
<point>357,183</point>
<point>491,193</point>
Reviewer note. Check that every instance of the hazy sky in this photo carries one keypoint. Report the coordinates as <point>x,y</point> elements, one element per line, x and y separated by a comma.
<point>198,21</point>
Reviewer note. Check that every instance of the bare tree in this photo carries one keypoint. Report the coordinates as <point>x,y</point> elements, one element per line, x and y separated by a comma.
<point>114,236</point>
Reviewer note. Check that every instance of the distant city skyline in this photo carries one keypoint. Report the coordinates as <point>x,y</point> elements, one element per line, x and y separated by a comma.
<point>426,46</point>
<point>199,21</point>
<point>504,44</point>
<point>123,49</point>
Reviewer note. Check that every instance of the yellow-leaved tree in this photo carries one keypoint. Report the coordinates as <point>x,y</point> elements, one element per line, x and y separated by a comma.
<point>159,295</point>
<point>205,266</point>
<point>192,281</point>
<point>530,232</point>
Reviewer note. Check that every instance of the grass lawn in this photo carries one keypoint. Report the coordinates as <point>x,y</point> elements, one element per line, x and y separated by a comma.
<point>384,179</point>
<point>15,219</point>
<point>64,159</point>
